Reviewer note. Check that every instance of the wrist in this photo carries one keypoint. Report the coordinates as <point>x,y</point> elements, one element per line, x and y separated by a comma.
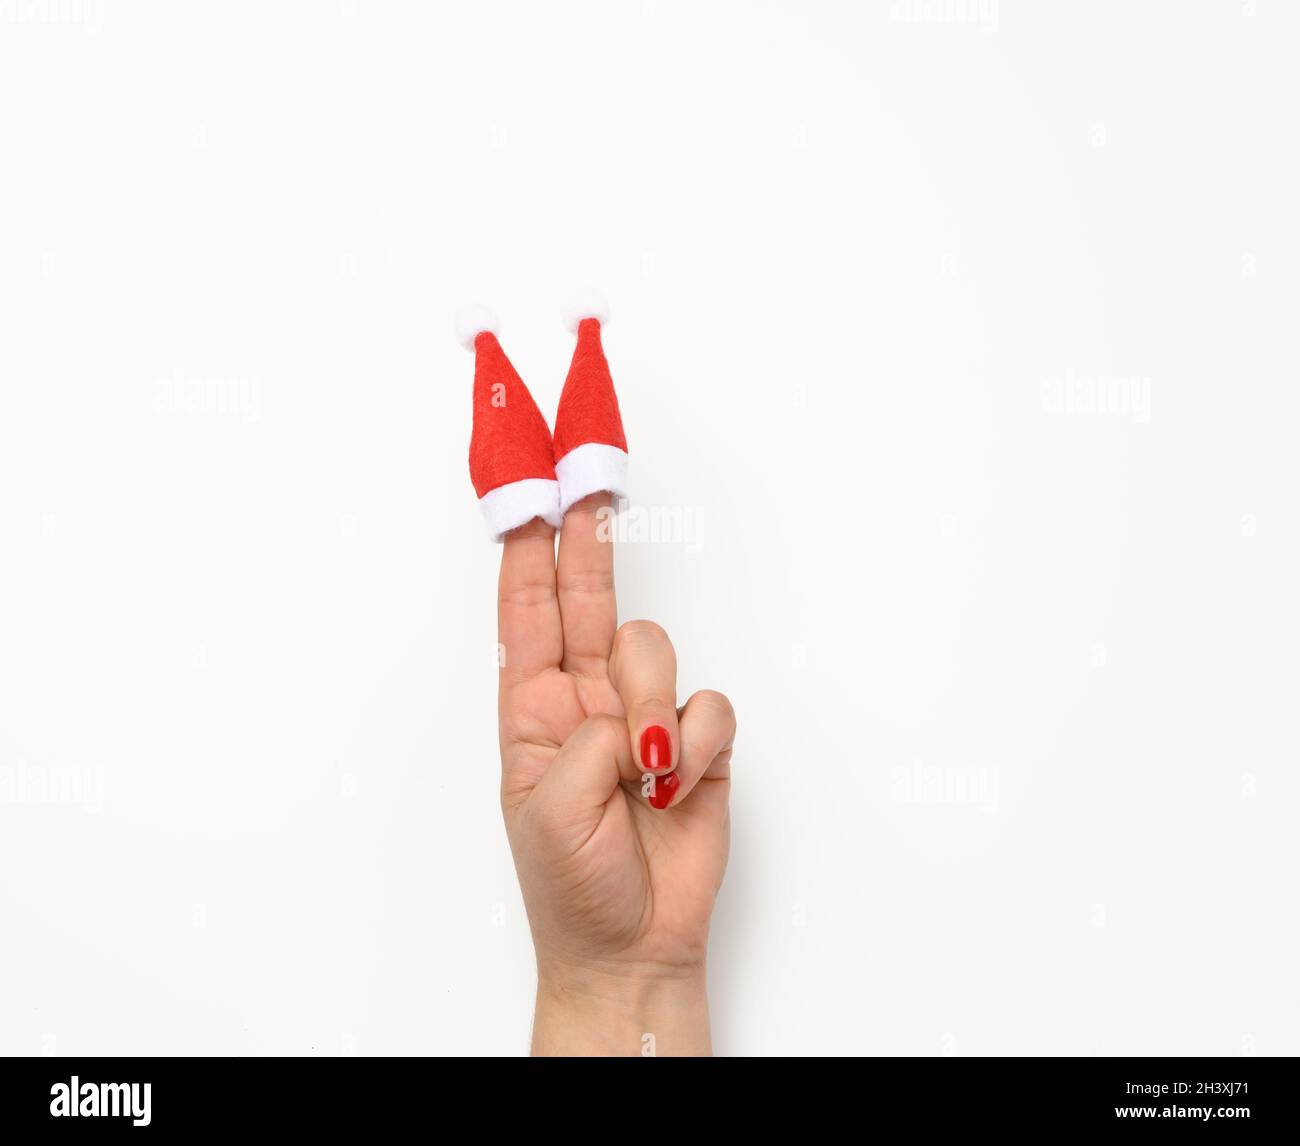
<point>620,1010</point>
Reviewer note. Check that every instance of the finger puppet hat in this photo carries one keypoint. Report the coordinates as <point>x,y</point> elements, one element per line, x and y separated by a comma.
<point>511,458</point>
<point>590,449</point>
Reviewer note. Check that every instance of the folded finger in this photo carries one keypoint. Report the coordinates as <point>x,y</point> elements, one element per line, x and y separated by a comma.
<point>707,731</point>
<point>588,768</point>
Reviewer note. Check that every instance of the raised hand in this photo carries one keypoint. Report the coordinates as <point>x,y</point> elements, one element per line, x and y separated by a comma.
<point>615,800</point>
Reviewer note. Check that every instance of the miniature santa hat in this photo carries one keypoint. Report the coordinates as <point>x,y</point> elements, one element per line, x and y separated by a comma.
<point>590,449</point>
<point>511,462</point>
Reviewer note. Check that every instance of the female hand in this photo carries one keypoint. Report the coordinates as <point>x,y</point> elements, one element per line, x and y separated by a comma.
<point>615,800</point>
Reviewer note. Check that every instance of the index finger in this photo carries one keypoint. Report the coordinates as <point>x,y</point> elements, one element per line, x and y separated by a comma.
<point>528,612</point>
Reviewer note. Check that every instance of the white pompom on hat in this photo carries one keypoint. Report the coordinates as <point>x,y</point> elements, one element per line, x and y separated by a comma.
<point>586,304</point>
<point>471,321</point>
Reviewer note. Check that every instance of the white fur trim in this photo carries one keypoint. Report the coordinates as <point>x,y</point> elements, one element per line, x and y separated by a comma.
<point>509,506</point>
<point>473,321</point>
<point>590,469</point>
<point>585,304</point>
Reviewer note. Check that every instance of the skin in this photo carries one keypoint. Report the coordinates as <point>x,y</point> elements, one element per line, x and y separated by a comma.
<point>619,893</point>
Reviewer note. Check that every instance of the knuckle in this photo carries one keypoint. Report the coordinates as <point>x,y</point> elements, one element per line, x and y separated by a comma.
<point>715,702</point>
<point>587,581</point>
<point>653,704</point>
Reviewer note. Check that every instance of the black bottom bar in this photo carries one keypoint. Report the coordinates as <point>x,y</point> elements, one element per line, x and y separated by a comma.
<point>344,1096</point>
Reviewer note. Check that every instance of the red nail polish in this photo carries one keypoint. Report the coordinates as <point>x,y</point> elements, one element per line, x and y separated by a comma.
<point>665,788</point>
<point>656,749</point>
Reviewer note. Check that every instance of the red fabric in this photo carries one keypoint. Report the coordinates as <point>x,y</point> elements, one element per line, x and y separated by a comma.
<point>588,406</point>
<point>510,441</point>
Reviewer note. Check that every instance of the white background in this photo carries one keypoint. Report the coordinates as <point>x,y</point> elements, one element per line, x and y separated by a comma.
<point>964,339</point>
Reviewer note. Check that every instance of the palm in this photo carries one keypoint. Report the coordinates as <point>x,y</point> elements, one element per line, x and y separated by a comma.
<point>604,874</point>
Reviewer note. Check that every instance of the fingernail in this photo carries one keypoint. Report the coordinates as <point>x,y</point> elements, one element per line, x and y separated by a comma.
<point>656,749</point>
<point>665,787</point>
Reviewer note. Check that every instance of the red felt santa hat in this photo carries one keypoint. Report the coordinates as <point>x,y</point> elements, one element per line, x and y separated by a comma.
<point>511,458</point>
<point>590,449</point>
